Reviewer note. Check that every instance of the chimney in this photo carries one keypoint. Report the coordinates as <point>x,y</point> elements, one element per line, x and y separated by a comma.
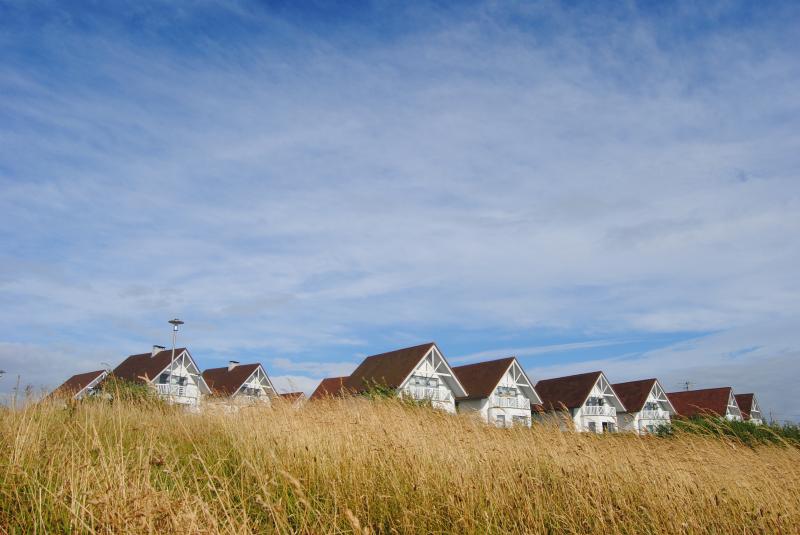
<point>232,364</point>
<point>156,350</point>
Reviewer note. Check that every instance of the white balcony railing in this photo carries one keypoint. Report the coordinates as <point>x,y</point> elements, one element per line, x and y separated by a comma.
<point>599,410</point>
<point>656,414</point>
<point>425,393</point>
<point>177,391</point>
<point>508,402</point>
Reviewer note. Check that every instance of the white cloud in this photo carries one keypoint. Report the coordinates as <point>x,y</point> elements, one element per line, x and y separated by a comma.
<point>291,194</point>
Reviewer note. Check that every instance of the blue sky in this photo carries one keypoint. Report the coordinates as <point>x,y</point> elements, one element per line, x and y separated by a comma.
<point>584,186</point>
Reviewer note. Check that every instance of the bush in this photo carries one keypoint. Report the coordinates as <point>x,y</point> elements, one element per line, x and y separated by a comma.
<point>744,432</point>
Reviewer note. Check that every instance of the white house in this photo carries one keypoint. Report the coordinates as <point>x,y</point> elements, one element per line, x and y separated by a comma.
<point>588,399</point>
<point>419,373</point>
<point>498,390</point>
<point>647,406</point>
<point>751,410</point>
<point>719,402</point>
<point>176,380</point>
<point>243,383</point>
<point>81,385</point>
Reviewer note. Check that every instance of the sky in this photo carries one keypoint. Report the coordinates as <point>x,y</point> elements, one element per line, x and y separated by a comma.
<point>586,186</point>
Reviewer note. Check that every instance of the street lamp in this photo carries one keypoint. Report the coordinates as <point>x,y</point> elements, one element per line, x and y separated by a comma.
<point>175,324</point>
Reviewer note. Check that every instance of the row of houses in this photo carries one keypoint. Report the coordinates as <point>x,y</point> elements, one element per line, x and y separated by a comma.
<point>498,391</point>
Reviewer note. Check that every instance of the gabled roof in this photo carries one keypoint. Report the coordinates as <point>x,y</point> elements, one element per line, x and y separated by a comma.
<point>75,384</point>
<point>387,369</point>
<point>697,402</point>
<point>570,391</point>
<point>147,365</point>
<point>745,402</point>
<point>225,382</point>
<point>329,387</point>
<point>480,379</point>
<point>633,394</point>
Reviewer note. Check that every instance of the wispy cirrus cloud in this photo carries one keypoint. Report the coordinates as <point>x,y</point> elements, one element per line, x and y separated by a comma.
<point>313,191</point>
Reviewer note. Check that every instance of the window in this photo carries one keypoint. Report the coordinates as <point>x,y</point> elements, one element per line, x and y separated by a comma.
<point>592,427</point>
<point>609,427</point>
<point>651,406</point>
<point>500,420</point>
<point>520,420</point>
<point>181,381</point>
<point>164,378</point>
<point>506,391</point>
<point>433,382</point>
<point>595,401</point>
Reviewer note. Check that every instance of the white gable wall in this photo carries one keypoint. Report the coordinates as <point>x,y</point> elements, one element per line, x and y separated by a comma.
<point>501,408</point>
<point>258,382</point>
<point>185,385</point>
<point>656,412</point>
<point>598,418</point>
<point>431,380</point>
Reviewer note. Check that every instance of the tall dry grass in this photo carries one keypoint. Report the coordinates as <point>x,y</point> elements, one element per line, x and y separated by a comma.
<point>372,466</point>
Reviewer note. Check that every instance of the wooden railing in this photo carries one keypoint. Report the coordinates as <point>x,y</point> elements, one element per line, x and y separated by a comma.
<point>599,410</point>
<point>508,402</point>
<point>426,393</point>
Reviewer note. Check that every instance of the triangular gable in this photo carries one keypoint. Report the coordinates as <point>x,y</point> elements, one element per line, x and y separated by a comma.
<point>522,381</point>
<point>607,390</point>
<point>733,407</point>
<point>434,362</point>
<point>263,379</point>
<point>187,358</point>
<point>661,396</point>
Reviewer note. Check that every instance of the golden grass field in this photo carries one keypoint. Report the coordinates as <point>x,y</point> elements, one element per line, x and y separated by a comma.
<point>355,465</point>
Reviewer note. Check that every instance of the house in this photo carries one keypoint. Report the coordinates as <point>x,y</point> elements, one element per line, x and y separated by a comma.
<point>588,398</point>
<point>709,402</point>
<point>329,387</point>
<point>751,411</point>
<point>498,390</point>
<point>646,406</point>
<point>419,373</point>
<point>80,385</point>
<point>296,399</point>
<point>176,380</point>
<point>240,382</point>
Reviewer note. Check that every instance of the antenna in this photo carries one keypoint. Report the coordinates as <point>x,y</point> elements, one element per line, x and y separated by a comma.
<point>687,385</point>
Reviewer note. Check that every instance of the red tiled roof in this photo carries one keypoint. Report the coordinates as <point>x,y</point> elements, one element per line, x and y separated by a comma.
<point>480,379</point>
<point>225,382</point>
<point>76,383</point>
<point>696,402</point>
<point>745,402</point>
<point>135,367</point>
<point>633,394</point>
<point>330,387</point>
<point>570,391</point>
<point>387,369</point>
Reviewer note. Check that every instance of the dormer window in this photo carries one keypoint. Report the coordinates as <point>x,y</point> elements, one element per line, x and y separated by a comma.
<point>595,401</point>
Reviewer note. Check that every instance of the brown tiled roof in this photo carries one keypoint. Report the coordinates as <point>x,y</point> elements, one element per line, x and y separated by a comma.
<point>76,383</point>
<point>329,387</point>
<point>224,382</point>
<point>387,369</point>
<point>570,391</point>
<point>745,402</point>
<point>696,402</point>
<point>480,379</point>
<point>633,394</point>
<point>135,367</point>
<point>292,396</point>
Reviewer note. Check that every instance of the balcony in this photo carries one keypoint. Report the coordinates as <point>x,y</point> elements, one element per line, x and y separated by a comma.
<point>508,402</point>
<point>599,410</point>
<point>426,393</point>
<point>177,391</point>
<point>656,414</point>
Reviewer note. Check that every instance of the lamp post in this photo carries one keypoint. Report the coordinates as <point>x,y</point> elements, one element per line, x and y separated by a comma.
<point>175,323</point>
